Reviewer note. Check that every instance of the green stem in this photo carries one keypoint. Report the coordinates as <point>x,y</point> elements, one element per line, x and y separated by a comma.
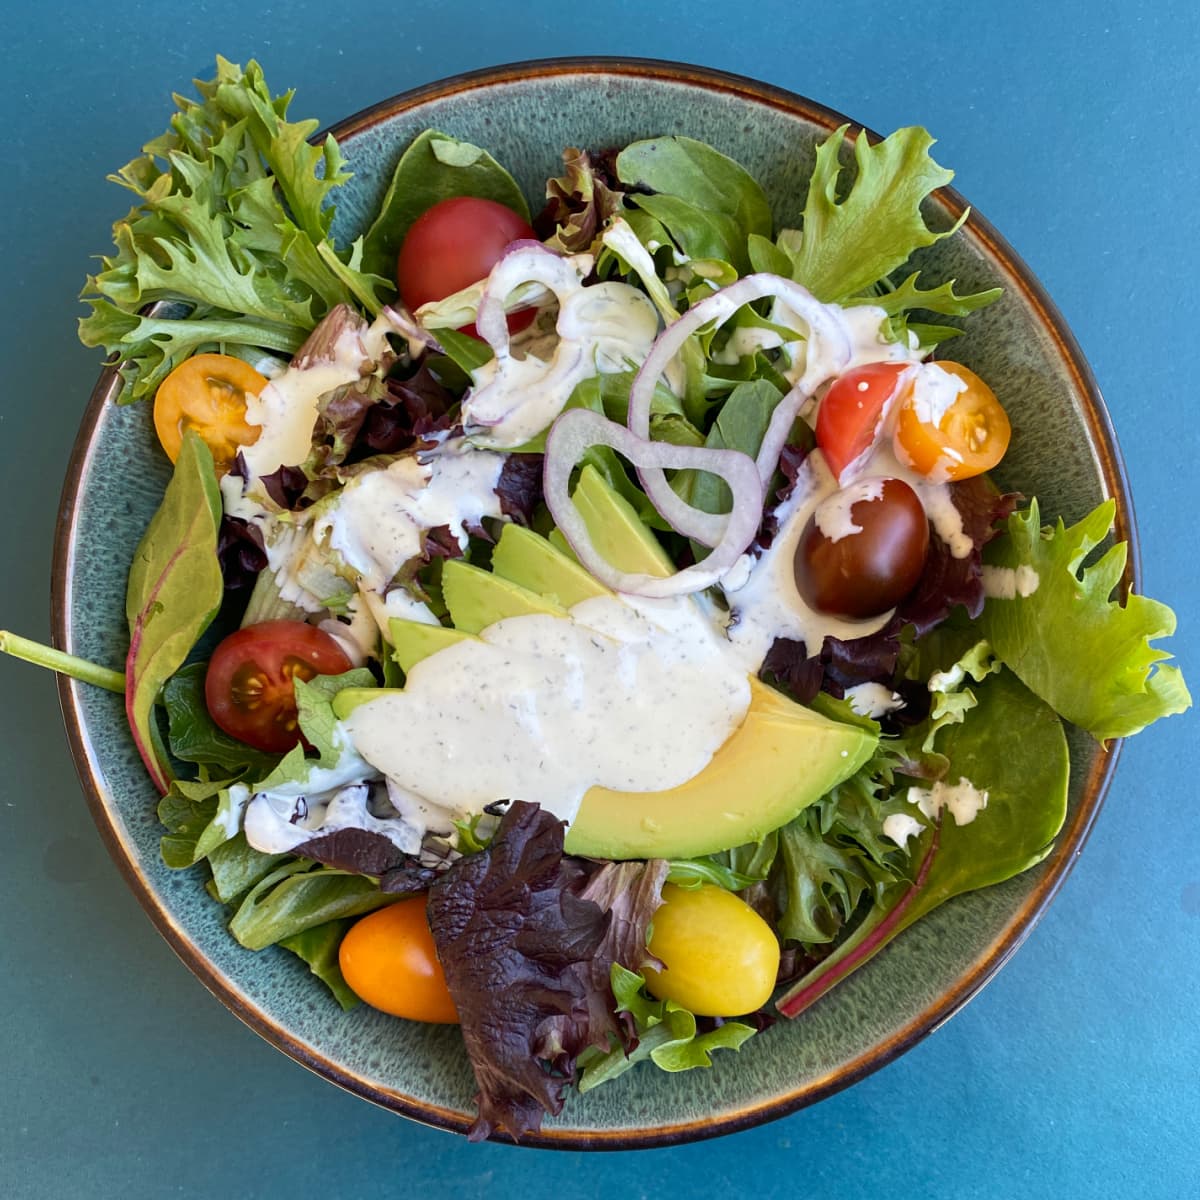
<point>58,660</point>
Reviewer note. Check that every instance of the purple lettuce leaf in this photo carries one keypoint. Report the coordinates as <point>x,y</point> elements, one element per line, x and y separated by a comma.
<point>519,487</point>
<point>412,407</point>
<point>527,937</point>
<point>241,553</point>
<point>579,202</point>
<point>358,850</point>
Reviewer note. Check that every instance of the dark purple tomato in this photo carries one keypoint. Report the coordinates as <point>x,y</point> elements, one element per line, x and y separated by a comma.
<point>864,574</point>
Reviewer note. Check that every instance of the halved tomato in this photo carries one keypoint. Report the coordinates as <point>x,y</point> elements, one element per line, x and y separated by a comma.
<point>969,438</point>
<point>207,393</point>
<point>849,414</point>
<point>249,686</point>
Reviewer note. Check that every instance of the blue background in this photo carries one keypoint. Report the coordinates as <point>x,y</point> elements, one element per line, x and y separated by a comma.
<point>1076,1072</point>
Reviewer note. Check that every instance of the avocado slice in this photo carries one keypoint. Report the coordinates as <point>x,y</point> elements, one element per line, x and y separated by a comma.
<point>775,764</point>
<point>617,532</point>
<point>477,598</point>
<point>526,558</point>
<point>415,640</point>
<point>782,758</point>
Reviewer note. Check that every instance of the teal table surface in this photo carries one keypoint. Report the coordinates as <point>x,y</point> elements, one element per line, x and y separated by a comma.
<point>1073,128</point>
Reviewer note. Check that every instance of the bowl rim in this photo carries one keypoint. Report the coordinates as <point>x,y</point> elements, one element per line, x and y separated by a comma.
<point>1059,863</point>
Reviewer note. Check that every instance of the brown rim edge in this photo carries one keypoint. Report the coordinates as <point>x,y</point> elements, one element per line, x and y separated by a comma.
<point>1059,864</point>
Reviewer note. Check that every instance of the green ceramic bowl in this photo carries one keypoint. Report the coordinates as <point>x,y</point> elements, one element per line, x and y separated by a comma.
<point>1063,451</point>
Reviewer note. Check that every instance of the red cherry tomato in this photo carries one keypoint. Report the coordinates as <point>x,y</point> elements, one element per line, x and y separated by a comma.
<point>389,960</point>
<point>864,574</point>
<point>248,688</point>
<point>455,244</point>
<point>850,411</point>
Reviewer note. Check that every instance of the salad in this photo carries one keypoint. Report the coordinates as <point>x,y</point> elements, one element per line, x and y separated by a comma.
<point>592,623</point>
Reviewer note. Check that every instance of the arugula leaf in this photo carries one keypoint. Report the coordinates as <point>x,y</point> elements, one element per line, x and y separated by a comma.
<point>174,591</point>
<point>1088,655</point>
<point>851,242</point>
<point>232,227</point>
<point>435,167</point>
<point>187,810</point>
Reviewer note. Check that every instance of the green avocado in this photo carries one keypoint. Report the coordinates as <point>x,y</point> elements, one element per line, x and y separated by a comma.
<point>782,758</point>
<point>477,598</point>
<point>415,640</point>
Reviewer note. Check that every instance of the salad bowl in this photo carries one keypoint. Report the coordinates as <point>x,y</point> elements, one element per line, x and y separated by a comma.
<point>1063,451</point>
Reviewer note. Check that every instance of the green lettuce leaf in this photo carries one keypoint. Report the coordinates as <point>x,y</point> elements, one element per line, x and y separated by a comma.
<point>667,1035</point>
<point>851,241</point>
<point>1088,655</point>
<point>318,947</point>
<point>1012,746</point>
<point>231,228</point>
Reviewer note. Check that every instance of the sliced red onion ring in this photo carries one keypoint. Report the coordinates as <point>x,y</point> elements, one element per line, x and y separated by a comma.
<point>525,261</point>
<point>579,429</point>
<point>823,324</point>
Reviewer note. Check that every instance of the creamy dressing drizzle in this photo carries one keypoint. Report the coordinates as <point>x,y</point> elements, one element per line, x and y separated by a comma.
<point>286,409</point>
<point>378,521</point>
<point>602,329</point>
<point>873,700</point>
<point>1007,583</point>
<point>627,695</point>
<point>963,800</point>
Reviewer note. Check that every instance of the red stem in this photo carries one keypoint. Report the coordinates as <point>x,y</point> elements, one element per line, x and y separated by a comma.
<point>794,1003</point>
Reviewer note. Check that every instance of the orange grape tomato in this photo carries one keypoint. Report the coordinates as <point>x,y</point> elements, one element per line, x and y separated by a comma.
<point>389,960</point>
<point>207,393</point>
<point>970,438</point>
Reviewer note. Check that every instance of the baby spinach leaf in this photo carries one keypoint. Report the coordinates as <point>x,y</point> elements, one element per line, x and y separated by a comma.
<point>195,737</point>
<point>174,591</point>
<point>435,167</point>
<point>319,948</point>
<point>710,204</point>
<point>1012,745</point>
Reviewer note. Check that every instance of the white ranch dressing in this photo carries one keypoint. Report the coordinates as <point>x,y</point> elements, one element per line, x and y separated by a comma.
<point>602,329</point>
<point>541,708</point>
<point>286,409</point>
<point>378,521</point>
<point>873,700</point>
<point>1007,583</point>
<point>963,800</point>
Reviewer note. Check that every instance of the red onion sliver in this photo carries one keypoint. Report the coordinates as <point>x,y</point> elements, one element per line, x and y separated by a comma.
<point>823,324</point>
<point>579,429</point>
<point>524,261</point>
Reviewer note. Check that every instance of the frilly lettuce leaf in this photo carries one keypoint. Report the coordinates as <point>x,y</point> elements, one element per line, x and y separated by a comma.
<point>852,241</point>
<point>667,1035</point>
<point>1089,656</point>
<point>232,222</point>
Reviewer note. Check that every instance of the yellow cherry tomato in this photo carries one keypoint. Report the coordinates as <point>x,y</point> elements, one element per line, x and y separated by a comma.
<point>720,958</point>
<point>389,960</point>
<point>207,393</point>
<point>970,438</point>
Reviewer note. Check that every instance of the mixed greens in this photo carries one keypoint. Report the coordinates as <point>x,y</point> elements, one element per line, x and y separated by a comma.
<point>711,344</point>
